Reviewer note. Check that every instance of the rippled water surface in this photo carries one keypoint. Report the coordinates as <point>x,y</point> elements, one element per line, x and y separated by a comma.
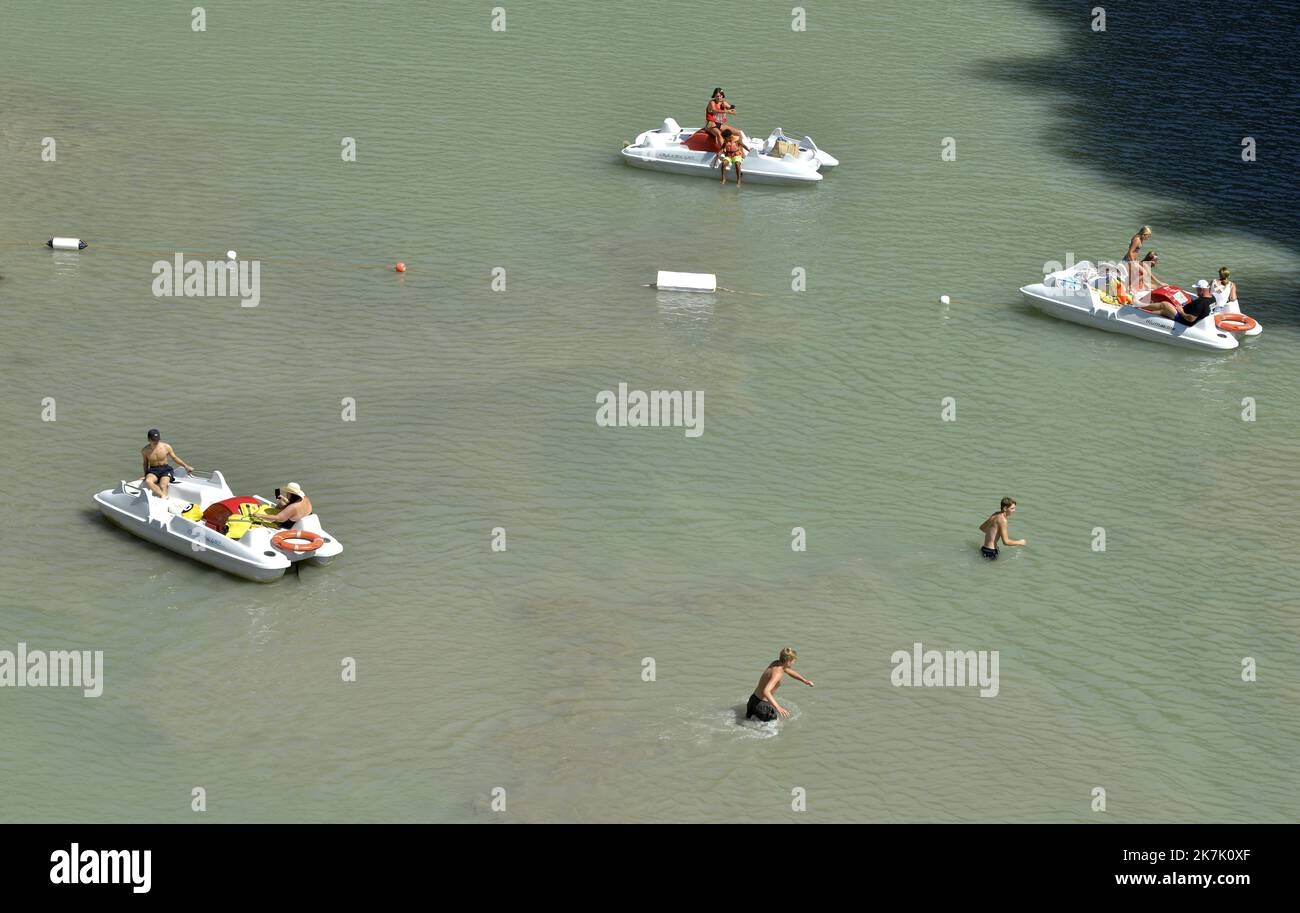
<point>475,409</point>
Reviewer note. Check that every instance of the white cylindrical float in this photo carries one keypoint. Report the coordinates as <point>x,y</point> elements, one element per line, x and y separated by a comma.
<point>66,244</point>
<point>686,282</point>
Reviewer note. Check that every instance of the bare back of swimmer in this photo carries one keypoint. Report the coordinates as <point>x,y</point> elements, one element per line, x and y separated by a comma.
<point>995,529</point>
<point>762,703</point>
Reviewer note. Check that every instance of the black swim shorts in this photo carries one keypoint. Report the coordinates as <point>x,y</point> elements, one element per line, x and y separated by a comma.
<point>760,709</point>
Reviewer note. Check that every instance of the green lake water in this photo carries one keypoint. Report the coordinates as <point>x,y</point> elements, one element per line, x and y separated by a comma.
<point>475,409</point>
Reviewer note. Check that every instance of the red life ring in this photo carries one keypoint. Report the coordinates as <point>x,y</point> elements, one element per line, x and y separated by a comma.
<point>297,540</point>
<point>1234,323</point>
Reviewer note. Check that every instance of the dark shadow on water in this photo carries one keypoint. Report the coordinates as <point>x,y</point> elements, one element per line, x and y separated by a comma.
<point>1160,103</point>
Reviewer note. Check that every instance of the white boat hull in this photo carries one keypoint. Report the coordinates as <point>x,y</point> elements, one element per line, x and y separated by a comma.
<point>663,150</point>
<point>134,508</point>
<point>1061,295</point>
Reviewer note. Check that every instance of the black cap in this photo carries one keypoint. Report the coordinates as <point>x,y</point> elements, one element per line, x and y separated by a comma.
<point>153,434</point>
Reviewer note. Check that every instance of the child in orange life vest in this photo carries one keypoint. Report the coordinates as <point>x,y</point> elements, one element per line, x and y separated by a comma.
<point>732,153</point>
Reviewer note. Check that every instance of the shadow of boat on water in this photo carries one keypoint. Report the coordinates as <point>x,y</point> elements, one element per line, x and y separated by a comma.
<point>1161,102</point>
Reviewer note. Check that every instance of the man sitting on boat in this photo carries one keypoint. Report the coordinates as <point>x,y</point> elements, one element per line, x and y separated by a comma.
<point>1196,309</point>
<point>158,472</point>
<point>294,505</point>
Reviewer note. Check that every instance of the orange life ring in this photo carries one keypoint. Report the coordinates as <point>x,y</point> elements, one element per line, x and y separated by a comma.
<point>297,540</point>
<point>1234,323</point>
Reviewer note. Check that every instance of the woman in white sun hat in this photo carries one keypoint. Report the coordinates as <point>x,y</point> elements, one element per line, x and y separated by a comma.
<point>293,503</point>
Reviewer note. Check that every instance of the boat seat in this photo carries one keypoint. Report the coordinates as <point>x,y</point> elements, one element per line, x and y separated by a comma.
<point>784,147</point>
<point>310,523</point>
<point>700,141</point>
<point>217,516</point>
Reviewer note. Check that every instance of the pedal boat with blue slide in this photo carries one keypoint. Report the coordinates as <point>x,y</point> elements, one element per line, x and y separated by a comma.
<point>1095,296</point>
<point>202,519</point>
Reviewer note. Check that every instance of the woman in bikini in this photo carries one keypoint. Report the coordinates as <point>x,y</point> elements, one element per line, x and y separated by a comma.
<point>1131,257</point>
<point>715,116</point>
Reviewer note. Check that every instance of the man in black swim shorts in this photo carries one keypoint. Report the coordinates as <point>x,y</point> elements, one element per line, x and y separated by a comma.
<point>158,473</point>
<point>759,709</point>
<point>995,530</point>
<point>762,703</point>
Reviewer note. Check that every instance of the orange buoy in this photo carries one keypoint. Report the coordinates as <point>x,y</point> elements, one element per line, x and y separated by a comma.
<point>297,540</point>
<point>400,267</point>
<point>1234,323</point>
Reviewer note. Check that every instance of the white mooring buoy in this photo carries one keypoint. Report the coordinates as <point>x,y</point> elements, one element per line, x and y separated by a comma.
<point>686,282</point>
<point>66,244</point>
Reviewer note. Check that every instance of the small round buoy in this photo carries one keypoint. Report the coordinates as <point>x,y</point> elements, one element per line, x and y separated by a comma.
<point>943,299</point>
<point>400,267</point>
<point>230,255</point>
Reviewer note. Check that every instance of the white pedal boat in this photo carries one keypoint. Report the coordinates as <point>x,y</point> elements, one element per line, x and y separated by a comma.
<point>665,149</point>
<point>227,538</point>
<point>1075,294</point>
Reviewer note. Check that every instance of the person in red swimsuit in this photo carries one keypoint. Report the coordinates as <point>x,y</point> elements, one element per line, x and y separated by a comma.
<point>715,116</point>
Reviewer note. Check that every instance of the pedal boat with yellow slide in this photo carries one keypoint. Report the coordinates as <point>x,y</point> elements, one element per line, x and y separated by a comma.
<point>202,519</point>
<point>1095,296</point>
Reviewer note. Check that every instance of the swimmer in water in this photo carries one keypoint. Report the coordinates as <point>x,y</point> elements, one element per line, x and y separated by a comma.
<point>762,703</point>
<point>995,528</point>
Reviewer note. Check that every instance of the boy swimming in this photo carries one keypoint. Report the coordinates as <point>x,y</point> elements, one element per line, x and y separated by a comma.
<point>762,703</point>
<point>995,528</point>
